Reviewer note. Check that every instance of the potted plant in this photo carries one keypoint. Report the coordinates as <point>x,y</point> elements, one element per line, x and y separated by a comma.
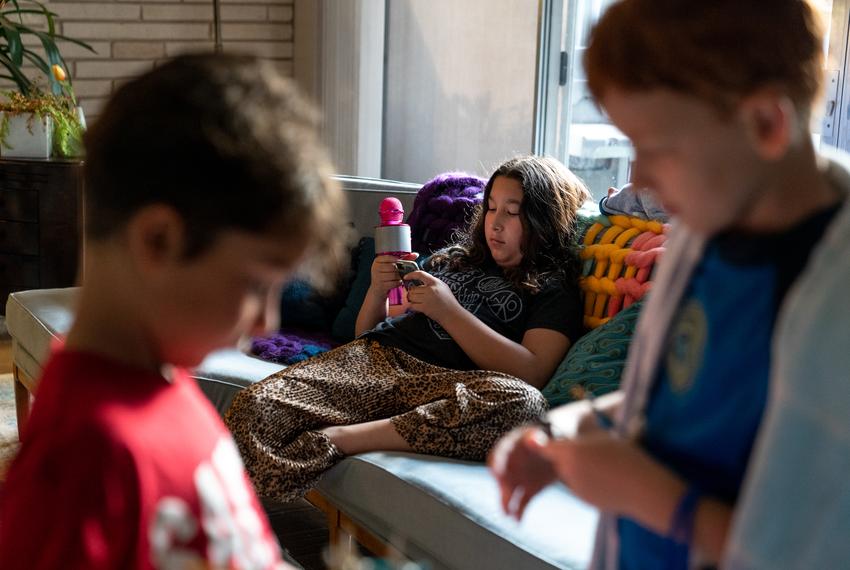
<point>49,116</point>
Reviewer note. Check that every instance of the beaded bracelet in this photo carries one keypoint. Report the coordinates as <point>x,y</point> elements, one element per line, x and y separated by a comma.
<point>682,525</point>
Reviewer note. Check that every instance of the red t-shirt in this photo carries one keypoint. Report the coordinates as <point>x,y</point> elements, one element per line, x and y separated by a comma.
<point>120,468</point>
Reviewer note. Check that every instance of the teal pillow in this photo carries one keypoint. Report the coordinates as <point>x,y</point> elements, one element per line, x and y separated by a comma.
<point>342,328</point>
<point>303,307</point>
<point>594,363</point>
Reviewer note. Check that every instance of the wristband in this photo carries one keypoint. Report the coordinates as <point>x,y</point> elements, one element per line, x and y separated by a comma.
<point>682,525</point>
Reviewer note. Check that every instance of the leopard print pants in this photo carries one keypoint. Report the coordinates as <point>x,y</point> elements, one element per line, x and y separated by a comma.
<point>438,411</point>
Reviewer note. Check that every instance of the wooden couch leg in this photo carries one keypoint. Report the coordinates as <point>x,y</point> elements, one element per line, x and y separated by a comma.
<point>22,400</point>
<point>331,514</point>
<point>345,535</point>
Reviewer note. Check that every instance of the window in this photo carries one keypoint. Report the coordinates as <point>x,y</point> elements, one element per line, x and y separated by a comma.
<point>411,88</point>
<point>580,134</point>
<point>583,137</point>
<point>831,125</point>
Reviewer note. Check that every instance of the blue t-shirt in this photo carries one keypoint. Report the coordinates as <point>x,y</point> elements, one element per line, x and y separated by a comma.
<point>706,405</point>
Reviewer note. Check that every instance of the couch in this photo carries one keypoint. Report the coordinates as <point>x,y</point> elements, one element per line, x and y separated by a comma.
<point>442,511</point>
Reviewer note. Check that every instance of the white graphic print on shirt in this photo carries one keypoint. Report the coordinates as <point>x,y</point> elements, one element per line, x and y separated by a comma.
<point>473,289</point>
<point>233,529</point>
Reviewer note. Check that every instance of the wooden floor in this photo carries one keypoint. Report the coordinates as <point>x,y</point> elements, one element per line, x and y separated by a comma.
<point>5,355</point>
<point>301,529</point>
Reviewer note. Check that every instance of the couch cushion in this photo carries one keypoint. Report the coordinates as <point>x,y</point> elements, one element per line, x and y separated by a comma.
<point>302,306</point>
<point>224,372</point>
<point>34,318</point>
<point>393,494</point>
<point>594,363</point>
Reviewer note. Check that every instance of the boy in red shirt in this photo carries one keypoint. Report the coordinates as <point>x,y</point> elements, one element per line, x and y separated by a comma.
<point>206,188</point>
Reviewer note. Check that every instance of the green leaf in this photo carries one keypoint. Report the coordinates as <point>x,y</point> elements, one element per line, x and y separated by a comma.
<point>78,42</point>
<point>16,47</point>
<point>25,11</point>
<point>53,57</point>
<point>17,9</point>
<point>38,61</point>
<point>22,81</point>
<point>49,16</point>
<point>14,53</point>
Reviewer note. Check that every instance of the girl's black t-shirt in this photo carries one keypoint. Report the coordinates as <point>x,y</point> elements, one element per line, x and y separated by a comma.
<point>496,302</point>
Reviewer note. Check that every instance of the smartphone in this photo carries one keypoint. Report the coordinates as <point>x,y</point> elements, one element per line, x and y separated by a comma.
<point>403,266</point>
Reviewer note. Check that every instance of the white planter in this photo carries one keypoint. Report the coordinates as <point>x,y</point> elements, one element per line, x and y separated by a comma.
<point>28,139</point>
<point>81,116</point>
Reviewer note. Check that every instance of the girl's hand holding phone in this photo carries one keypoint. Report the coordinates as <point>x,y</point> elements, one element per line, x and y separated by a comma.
<point>404,267</point>
<point>432,297</point>
<point>385,275</point>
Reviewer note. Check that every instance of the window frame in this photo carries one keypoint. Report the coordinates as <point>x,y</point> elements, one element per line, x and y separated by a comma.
<point>553,115</point>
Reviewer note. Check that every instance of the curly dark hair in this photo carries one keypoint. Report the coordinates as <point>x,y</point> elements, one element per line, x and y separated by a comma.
<point>552,195</point>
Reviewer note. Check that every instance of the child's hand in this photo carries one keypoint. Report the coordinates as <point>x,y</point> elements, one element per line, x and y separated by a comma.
<point>610,473</point>
<point>614,475</point>
<point>595,467</point>
<point>432,297</point>
<point>519,469</point>
<point>385,275</point>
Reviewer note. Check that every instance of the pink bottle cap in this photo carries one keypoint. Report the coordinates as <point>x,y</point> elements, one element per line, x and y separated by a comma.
<point>391,212</point>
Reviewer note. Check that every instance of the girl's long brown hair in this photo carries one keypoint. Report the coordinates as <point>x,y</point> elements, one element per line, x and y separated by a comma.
<point>552,196</point>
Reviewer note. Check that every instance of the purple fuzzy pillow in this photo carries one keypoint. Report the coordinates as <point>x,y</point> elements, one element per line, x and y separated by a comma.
<point>442,206</point>
<point>289,346</point>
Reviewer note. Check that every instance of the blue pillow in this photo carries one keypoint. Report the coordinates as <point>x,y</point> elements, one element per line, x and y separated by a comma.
<point>594,363</point>
<point>362,257</point>
<point>302,306</point>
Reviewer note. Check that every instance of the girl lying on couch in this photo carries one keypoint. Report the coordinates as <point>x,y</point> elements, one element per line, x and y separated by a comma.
<point>488,324</point>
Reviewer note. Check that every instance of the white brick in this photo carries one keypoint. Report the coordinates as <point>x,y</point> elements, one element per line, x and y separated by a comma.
<point>274,50</point>
<point>111,69</point>
<point>117,83</point>
<point>180,13</point>
<point>73,51</point>
<point>96,11</point>
<point>35,21</point>
<point>136,31</point>
<point>280,32</point>
<point>92,107</point>
<point>176,48</point>
<point>138,50</point>
<point>85,88</point>
<point>243,13</point>
<point>280,13</point>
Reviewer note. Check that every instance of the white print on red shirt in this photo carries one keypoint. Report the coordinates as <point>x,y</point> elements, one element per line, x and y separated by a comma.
<point>231,524</point>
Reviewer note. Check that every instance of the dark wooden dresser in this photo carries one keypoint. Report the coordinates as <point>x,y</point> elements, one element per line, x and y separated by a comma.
<point>41,213</point>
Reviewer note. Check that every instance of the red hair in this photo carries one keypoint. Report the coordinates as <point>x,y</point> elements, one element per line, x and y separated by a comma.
<point>719,51</point>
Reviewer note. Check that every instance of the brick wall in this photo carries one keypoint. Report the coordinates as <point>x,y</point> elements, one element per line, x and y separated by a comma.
<point>131,37</point>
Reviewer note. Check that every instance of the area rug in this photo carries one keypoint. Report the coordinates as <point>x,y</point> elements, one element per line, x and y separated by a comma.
<point>8,423</point>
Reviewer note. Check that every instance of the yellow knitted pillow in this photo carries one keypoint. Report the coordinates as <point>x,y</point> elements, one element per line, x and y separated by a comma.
<point>619,255</point>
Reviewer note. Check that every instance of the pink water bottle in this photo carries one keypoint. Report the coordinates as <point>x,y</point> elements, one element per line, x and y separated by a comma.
<point>392,237</point>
